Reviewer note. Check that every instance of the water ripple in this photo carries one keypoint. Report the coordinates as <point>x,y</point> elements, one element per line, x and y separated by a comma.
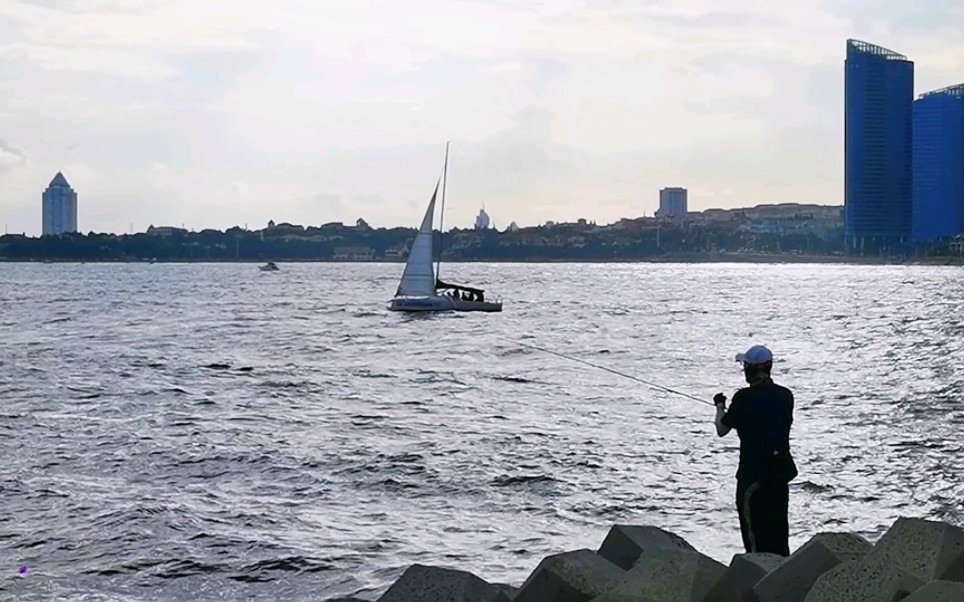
<point>201,432</point>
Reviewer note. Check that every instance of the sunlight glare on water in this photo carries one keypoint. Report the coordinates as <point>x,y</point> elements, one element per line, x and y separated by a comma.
<point>185,432</point>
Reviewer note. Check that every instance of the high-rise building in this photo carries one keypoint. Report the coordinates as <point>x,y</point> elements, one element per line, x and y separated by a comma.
<point>939,165</point>
<point>879,94</point>
<point>59,207</point>
<point>482,220</point>
<point>672,203</point>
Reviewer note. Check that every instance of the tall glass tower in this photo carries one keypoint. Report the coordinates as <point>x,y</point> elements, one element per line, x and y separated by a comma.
<point>59,207</point>
<point>939,164</point>
<point>879,94</point>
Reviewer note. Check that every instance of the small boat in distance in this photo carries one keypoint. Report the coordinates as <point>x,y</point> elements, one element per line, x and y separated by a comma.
<point>420,288</point>
<point>269,267</point>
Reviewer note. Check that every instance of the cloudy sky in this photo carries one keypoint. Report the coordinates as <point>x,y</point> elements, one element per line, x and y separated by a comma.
<point>214,113</point>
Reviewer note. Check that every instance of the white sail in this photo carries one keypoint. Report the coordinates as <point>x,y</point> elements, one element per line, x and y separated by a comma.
<point>418,279</point>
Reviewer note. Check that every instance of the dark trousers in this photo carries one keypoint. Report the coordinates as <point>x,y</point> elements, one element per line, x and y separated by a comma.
<point>764,523</point>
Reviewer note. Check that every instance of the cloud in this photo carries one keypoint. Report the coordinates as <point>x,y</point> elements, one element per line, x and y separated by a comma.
<point>201,112</point>
<point>715,20</point>
<point>92,6</point>
<point>11,157</point>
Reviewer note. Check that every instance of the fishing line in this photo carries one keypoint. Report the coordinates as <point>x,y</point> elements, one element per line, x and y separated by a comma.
<point>617,372</point>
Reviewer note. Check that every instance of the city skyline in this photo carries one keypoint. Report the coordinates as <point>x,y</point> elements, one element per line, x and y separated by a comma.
<point>240,114</point>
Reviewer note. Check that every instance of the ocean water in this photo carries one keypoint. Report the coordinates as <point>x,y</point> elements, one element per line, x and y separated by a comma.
<point>201,432</point>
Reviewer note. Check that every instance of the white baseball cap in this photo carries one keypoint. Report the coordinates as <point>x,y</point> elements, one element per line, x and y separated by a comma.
<point>758,354</point>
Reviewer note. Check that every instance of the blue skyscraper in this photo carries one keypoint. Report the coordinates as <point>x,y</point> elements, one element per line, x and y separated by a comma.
<point>879,94</point>
<point>939,164</point>
<point>59,207</point>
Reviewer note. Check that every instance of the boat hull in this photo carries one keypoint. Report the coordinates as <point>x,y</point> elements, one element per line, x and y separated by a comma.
<point>461,305</point>
<point>422,304</point>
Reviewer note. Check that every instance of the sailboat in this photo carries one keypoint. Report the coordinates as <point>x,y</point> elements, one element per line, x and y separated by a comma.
<point>420,288</point>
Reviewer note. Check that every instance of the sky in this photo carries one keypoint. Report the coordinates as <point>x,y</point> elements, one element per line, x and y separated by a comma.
<point>216,113</point>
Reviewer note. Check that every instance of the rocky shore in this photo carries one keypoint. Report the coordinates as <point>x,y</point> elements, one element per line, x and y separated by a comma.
<point>914,561</point>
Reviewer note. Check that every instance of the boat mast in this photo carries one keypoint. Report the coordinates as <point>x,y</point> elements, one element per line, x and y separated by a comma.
<point>441,219</point>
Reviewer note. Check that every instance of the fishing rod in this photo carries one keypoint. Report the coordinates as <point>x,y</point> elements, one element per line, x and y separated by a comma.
<point>616,372</point>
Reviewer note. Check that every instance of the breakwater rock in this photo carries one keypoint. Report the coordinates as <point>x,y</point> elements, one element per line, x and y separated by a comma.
<point>915,560</point>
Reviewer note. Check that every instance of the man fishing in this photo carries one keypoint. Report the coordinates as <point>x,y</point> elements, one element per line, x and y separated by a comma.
<point>761,414</point>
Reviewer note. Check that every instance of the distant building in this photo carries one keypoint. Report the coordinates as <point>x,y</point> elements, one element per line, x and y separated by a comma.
<point>59,207</point>
<point>165,231</point>
<point>878,98</point>
<point>938,165</point>
<point>396,252</point>
<point>513,227</point>
<point>672,203</point>
<point>713,216</point>
<point>482,221</point>
<point>830,213</point>
<point>823,221</point>
<point>957,245</point>
<point>353,253</point>
<point>283,229</point>
<point>361,224</point>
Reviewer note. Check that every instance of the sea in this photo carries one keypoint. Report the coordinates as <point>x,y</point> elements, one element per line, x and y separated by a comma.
<point>214,432</point>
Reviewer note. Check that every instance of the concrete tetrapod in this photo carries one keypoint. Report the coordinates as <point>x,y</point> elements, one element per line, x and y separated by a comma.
<point>744,572</point>
<point>624,543</point>
<point>576,576</point>
<point>792,580</point>
<point>929,550</point>
<point>667,575</point>
<point>420,583</point>
<point>938,591</point>
<point>509,590</point>
<point>867,579</point>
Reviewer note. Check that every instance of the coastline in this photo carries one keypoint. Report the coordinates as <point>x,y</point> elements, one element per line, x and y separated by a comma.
<point>695,258</point>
